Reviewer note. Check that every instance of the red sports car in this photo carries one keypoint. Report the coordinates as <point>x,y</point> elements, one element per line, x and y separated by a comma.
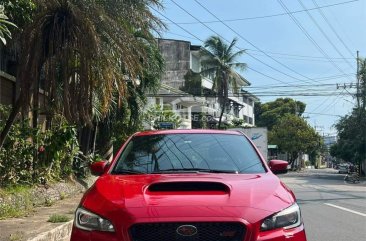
<point>188,185</point>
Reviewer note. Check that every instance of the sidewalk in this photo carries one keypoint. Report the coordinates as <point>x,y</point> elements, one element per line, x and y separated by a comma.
<point>36,227</point>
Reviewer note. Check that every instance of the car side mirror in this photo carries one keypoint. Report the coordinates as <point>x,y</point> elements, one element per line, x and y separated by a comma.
<point>278,166</point>
<point>99,168</point>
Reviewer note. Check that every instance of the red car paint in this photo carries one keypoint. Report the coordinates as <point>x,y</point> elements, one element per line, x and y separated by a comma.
<point>246,198</point>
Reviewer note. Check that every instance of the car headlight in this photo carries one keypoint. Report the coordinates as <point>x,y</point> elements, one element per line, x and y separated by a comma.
<point>287,218</point>
<point>87,220</point>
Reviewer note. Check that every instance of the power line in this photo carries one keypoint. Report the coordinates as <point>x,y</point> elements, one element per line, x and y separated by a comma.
<point>340,60</point>
<point>332,28</point>
<point>237,47</point>
<point>324,34</point>
<point>289,55</point>
<point>197,38</point>
<point>272,15</point>
<point>269,94</point>
<point>250,43</point>
<point>289,86</point>
<point>332,103</point>
<point>282,55</point>
<point>308,36</point>
<point>324,101</point>
<point>299,55</point>
<point>208,27</point>
<point>312,113</point>
<point>248,67</point>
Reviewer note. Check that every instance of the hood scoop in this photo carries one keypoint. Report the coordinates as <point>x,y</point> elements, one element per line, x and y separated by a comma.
<point>189,187</point>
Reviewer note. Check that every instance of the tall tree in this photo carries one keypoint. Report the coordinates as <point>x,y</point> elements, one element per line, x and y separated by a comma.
<point>220,63</point>
<point>82,46</point>
<point>362,77</point>
<point>351,144</point>
<point>268,114</point>
<point>294,135</point>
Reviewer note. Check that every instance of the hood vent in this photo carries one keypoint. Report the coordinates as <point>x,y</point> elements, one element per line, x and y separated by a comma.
<point>188,187</point>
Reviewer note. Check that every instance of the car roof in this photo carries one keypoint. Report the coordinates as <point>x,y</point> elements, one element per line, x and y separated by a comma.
<point>187,131</point>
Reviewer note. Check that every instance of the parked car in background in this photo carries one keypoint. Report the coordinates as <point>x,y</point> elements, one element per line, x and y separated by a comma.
<point>201,185</point>
<point>343,169</point>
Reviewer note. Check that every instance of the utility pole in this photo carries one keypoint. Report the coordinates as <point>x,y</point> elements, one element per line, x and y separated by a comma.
<point>358,80</point>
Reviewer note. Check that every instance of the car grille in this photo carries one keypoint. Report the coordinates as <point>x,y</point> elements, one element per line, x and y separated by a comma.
<point>206,231</point>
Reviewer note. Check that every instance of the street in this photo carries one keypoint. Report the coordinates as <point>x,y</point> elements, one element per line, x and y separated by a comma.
<point>332,209</point>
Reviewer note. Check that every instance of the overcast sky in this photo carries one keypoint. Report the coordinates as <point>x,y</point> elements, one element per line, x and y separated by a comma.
<point>314,50</point>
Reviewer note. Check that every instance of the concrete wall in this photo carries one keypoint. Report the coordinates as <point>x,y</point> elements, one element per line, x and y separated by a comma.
<point>177,61</point>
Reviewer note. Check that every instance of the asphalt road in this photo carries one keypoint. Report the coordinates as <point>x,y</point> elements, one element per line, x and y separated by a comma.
<point>332,209</point>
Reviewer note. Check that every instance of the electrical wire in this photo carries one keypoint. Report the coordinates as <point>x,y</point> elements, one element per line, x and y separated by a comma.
<point>324,34</point>
<point>282,55</point>
<point>272,15</point>
<point>324,102</point>
<point>312,113</point>
<point>308,36</point>
<point>250,43</point>
<point>197,38</point>
<point>333,103</point>
<point>333,29</point>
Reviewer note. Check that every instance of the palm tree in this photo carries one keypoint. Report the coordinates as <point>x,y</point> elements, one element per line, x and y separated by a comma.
<point>4,23</point>
<point>220,62</point>
<point>86,50</point>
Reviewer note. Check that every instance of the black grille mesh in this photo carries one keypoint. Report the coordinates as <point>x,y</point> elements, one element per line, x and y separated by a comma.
<point>206,231</point>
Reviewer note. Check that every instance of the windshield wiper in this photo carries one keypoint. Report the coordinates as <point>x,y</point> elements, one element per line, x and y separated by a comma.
<point>193,170</point>
<point>126,171</point>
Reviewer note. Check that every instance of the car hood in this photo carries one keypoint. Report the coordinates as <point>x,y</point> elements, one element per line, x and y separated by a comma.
<point>250,196</point>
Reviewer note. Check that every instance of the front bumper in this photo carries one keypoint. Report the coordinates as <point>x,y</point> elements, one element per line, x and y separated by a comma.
<point>252,233</point>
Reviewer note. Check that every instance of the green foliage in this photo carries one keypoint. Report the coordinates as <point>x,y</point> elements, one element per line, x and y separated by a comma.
<point>351,144</point>
<point>19,206</point>
<point>268,114</point>
<point>31,155</point>
<point>4,23</point>
<point>293,135</point>
<point>156,114</point>
<point>237,122</point>
<point>58,218</point>
<point>19,11</point>
<point>18,236</point>
<point>220,64</point>
<point>192,83</point>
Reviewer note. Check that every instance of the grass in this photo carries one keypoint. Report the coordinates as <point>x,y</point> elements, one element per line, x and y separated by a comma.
<point>16,236</point>
<point>58,218</point>
<point>19,189</point>
<point>19,206</point>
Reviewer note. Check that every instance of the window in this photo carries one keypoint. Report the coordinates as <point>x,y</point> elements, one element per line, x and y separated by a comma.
<point>157,101</point>
<point>246,119</point>
<point>236,111</point>
<point>250,101</point>
<point>156,153</point>
<point>245,99</point>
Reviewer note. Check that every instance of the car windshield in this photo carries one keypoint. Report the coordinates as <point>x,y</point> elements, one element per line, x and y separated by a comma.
<point>172,153</point>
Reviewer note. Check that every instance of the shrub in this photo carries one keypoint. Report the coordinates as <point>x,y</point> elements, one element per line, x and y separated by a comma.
<point>57,218</point>
<point>31,155</point>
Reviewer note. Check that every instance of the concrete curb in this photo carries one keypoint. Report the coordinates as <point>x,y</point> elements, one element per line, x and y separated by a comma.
<point>60,233</point>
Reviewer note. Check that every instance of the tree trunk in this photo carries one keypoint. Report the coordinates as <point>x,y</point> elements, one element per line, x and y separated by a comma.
<point>35,111</point>
<point>223,106</point>
<point>104,142</point>
<point>224,93</point>
<point>12,117</point>
<point>293,157</point>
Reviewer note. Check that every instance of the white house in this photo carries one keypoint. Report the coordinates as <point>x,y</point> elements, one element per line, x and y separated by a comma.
<point>183,59</point>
